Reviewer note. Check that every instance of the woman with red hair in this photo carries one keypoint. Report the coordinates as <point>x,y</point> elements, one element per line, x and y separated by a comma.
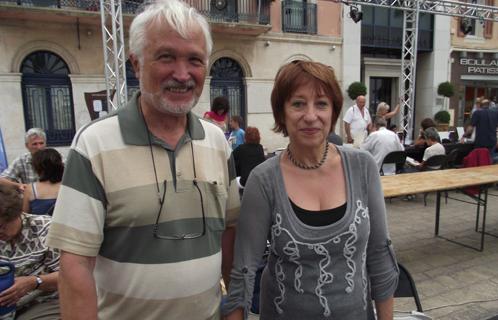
<point>248,155</point>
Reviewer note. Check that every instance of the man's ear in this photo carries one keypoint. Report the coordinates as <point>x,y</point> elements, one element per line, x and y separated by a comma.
<point>136,65</point>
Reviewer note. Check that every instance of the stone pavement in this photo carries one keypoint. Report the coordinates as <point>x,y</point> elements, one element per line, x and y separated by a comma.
<point>453,282</point>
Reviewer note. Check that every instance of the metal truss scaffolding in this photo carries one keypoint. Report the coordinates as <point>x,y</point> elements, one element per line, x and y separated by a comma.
<point>114,52</point>
<point>115,69</point>
<point>412,9</point>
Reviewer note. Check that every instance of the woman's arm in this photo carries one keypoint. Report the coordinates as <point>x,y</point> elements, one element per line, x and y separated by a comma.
<point>391,114</point>
<point>381,260</point>
<point>384,309</point>
<point>250,242</point>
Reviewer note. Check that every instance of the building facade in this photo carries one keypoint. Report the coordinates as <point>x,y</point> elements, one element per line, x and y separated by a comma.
<point>474,65</point>
<point>52,56</point>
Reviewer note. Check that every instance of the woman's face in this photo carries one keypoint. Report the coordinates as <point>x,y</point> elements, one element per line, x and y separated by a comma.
<point>308,116</point>
<point>9,230</point>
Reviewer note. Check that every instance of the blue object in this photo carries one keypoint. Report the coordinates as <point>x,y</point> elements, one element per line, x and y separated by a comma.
<point>6,281</point>
<point>3,156</point>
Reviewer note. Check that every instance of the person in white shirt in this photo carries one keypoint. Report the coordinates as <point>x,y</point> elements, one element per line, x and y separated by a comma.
<point>435,148</point>
<point>357,121</point>
<point>380,143</point>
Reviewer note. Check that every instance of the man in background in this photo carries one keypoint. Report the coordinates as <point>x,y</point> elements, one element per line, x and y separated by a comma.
<point>357,121</point>
<point>21,172</point>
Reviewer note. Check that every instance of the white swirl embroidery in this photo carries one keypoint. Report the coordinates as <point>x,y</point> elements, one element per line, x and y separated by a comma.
<point>291,249</point>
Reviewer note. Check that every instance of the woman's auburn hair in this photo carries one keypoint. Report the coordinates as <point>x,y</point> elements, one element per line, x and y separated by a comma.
<point>298,73</point>
<point>252,135</point>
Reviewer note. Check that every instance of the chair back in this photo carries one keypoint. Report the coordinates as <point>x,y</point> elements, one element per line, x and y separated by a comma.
<point>395,157</point>
<point>438,160</point>
<point>406,287</point>
<point>476,158</point>
<point>452,157</point>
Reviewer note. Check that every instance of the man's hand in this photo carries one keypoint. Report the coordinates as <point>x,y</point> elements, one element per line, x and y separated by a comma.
<point>21,287</point>
<point>350,140</point>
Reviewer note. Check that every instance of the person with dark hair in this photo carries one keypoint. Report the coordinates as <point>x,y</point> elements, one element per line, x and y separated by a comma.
<point>426,123</point>
<point>218,113</point>
<point>321,208</point>
<point>236,137</point>
<point>248,155</point>
<point>40,197</point>
<point>23,243</point>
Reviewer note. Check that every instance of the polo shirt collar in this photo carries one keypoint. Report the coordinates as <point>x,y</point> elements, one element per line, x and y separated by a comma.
<point>133,128</point>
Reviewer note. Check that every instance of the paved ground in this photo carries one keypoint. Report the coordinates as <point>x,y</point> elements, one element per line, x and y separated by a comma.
<point>454,282</point>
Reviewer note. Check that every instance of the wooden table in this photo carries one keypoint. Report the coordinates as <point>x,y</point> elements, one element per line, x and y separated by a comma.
<point>443,180</point>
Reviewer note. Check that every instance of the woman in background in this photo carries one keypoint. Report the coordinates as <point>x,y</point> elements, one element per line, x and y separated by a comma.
<point>40,197</point>
<point>383,111</point>
<point>219,112</point>
<point>321,207</point>
<point>248,155</point>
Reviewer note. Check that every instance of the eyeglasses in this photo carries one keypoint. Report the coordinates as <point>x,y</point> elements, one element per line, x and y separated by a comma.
<point>155,230</point>
<point>183,236</point>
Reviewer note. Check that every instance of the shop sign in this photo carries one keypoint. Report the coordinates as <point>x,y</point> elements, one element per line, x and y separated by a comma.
<point>480,66</point>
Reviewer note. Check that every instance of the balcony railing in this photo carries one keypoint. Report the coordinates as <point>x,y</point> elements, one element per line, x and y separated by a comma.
<point>392,37</point>
<point>249,11</point>
<point>238,11</point>
<point>298,17</point>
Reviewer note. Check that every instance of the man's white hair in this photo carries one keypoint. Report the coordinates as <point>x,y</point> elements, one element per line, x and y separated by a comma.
<point>177,14</point>
<point>35,132</point>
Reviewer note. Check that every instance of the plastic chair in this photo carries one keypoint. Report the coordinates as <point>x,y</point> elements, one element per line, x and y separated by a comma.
<point>395,157</point>
<point>452,158</point>
<point>406,287</point>
<point>434,161</point>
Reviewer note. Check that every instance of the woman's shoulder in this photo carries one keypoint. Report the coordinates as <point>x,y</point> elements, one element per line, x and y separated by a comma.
<point>268,168</point>
<point>351,153</point>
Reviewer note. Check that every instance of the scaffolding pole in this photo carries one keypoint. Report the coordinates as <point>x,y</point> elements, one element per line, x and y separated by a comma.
<point>114,52</point>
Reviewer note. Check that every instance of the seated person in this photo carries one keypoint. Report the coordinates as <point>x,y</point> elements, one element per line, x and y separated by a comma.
<point>39,197</point>
<point>426,123</point>
<point>248,155</point>
<point>20,172</point>
<point>435,148</point>
<point>23,242</point>
<point>380,143</point>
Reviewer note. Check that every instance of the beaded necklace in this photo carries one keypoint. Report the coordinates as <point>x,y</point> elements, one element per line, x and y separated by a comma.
<point>306,167</point>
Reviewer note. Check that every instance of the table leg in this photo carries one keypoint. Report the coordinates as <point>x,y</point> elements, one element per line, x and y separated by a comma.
<point>438,210</point>
<point>485,206</point>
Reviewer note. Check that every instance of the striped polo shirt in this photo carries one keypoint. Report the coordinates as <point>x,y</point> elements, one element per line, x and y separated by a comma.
<point>108,206</point>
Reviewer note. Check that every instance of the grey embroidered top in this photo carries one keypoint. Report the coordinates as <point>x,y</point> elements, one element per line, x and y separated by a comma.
<point>329,272</point>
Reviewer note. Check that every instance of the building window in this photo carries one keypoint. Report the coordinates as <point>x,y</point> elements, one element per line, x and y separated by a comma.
<point>227,79</point>
<point>47,96</point>
<point>299,16</point>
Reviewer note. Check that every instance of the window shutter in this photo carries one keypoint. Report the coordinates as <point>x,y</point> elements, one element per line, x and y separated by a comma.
<point>488,25</point>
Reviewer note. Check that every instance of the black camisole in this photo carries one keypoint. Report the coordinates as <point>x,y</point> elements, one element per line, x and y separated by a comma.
<point>321,217</point>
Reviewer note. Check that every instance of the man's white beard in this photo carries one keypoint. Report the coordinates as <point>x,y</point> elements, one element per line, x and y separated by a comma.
<point>161,103</point>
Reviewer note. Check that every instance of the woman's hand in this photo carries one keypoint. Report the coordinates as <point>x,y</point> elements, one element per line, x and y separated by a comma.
<point>237,314</point>
<point>21,287</point>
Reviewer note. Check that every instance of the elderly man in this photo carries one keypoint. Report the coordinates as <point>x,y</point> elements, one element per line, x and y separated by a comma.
<point>21,172</point>
<point>148,192</point>
<point>380,143</point>
<point>357,121</point>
